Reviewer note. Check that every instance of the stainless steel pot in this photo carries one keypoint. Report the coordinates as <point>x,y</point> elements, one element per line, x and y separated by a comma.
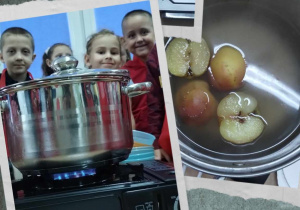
<point>268,34</point>
<point>74,118</point>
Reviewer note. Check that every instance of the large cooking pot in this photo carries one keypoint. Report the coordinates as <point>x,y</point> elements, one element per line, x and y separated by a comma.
<point>268,33</point>
<point>74,118</point>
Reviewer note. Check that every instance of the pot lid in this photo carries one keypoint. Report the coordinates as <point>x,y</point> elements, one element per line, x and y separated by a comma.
<point>67,73</point>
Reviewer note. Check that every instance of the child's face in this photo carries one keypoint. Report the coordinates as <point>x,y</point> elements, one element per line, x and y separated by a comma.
<point>17,54</point>
<point>59,51</point>
<point>105,53</point>
<point>139,35</point>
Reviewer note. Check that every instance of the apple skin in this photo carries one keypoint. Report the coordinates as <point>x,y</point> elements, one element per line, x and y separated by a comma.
<point>194,103</point>
<point>227,69</point>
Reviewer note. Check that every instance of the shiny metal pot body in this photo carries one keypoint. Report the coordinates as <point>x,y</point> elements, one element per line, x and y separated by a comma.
<point>69,121</point>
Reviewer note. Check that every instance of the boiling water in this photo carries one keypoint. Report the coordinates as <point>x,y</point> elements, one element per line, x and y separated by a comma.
<point>271,46</point>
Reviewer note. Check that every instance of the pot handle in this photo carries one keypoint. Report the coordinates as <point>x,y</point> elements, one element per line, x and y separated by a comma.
<point>137,89</point>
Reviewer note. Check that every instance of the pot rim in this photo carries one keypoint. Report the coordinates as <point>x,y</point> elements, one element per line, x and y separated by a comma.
<point>70,77</point>
<point>229,167</point>
<point>248,168</point>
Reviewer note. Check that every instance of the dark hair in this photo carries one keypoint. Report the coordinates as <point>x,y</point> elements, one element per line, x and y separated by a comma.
<point>136,12</point>
<point>16,31</point>
<point>47,55</point>
<point>102,32</point>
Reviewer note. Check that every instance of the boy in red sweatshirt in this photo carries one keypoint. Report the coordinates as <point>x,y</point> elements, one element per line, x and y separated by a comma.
<point>149,109</point>
<point>17,53</point>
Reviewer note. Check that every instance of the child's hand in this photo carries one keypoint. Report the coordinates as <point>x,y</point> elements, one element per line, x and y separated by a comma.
<point>160,154</point>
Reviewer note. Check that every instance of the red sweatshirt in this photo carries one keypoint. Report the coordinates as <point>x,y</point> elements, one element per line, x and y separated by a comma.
<point>148,109</point>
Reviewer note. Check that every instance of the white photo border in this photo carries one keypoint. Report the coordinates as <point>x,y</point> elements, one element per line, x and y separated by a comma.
<point>42,8</point>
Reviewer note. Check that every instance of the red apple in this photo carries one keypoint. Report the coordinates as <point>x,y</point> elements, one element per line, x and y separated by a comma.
<point>227,69</point>
<point>194,103</point>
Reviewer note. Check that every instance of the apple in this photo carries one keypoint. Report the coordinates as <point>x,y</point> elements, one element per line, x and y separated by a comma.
<point>199,57</point>
<point>227,69</point>
<point>239,122</point>
<point>187,58</point>
<point>194,103</point>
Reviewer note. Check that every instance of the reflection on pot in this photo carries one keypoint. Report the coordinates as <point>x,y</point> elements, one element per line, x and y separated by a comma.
<point>67,122</point>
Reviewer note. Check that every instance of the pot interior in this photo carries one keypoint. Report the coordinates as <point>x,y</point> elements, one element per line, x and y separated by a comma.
<point>270,43</point>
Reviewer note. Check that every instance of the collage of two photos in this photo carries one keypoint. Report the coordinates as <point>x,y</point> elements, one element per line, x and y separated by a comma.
<point>236,99</point>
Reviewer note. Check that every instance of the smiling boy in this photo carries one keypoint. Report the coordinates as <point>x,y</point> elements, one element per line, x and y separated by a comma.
<point>17,52</point>
<point>138,33</point>
<point>148,109</point>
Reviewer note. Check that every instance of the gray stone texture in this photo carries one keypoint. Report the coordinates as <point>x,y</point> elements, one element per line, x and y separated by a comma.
<point>16,2</point>
<point>203,199</point>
